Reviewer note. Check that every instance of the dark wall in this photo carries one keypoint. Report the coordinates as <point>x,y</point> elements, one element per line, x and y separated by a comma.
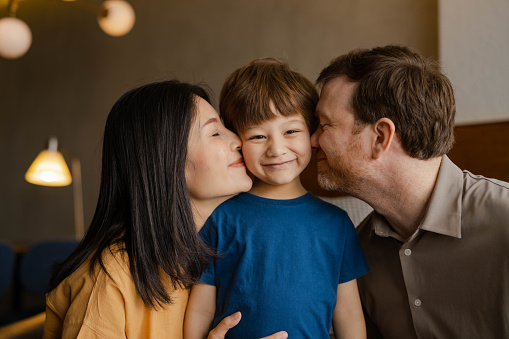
<point>73,73</point>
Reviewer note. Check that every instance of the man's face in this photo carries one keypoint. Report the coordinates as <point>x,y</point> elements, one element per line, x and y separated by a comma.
<point>340,141</point>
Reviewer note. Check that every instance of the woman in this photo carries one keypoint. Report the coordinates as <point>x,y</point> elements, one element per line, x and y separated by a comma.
<point>167,163</point>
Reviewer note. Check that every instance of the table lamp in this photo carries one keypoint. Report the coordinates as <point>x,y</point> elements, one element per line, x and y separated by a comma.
<point>50,169</point>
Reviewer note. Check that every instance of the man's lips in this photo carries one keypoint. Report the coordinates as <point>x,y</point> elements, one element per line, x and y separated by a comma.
<point>238,163</point>
<point>320,157</point>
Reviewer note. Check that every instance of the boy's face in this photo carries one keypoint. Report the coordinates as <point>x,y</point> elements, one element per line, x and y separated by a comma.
<point>278,150</point>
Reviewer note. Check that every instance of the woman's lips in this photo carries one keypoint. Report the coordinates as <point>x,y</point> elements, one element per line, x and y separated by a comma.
<point>238,163</point>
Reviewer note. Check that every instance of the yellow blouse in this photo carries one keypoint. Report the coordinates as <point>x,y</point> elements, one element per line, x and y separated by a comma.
<point>85,306</point>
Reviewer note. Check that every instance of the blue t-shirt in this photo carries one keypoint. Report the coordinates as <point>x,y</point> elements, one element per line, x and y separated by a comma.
<point>282,261</point>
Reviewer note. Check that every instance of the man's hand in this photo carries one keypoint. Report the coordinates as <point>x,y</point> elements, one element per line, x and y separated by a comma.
<point>231,321</point>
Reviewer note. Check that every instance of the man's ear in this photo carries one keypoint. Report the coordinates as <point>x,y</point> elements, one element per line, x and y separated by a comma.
<point>384,130</point>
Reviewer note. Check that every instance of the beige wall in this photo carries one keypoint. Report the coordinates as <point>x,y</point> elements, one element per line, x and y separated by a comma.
<point>73,73</point>
<point>474,52</point>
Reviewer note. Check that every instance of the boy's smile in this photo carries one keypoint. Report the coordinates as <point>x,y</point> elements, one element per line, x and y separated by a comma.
<point>277,150</point>
<point>279,165</point>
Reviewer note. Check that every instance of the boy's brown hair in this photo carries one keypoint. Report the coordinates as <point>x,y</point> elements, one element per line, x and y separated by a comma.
<point>248,92</point>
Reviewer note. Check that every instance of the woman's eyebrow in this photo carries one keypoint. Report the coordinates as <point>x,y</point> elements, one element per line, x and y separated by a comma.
<point>210,121</point>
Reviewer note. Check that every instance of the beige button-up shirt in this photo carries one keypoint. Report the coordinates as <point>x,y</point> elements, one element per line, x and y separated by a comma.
<point>451,278</point>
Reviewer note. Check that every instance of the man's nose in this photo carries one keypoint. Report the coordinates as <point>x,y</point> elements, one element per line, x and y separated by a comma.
<point>314,138</point>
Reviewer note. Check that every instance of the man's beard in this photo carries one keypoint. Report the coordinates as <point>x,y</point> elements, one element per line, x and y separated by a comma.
<point>342,173</point>
<point>342,180</point>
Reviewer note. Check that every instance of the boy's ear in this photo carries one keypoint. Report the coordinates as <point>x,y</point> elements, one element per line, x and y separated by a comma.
<point>384,132</point>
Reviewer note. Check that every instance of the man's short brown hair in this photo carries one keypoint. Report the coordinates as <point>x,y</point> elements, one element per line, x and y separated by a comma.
<point>397,83</point>
<point>248,92</point>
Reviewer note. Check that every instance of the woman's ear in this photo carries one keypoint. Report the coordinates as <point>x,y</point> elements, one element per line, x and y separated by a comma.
<point>384,130</point>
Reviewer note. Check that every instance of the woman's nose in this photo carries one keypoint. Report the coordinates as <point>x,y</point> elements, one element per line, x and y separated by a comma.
<point>235,143</point>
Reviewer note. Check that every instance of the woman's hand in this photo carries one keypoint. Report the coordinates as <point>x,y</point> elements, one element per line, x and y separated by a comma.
<point>231,321</point>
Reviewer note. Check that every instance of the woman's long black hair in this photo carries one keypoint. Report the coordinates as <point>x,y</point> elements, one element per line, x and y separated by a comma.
<point>144,204</point>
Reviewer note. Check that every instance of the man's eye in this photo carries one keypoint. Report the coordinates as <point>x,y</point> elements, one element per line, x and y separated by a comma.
<point>216,134</point>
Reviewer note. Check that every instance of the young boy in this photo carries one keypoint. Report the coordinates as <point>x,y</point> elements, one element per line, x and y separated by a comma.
<point>289,261</point>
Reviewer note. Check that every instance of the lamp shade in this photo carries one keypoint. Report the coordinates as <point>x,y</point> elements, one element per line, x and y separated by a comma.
<point>49,169</point>
<point>15,38</point>
<point>116,17</point>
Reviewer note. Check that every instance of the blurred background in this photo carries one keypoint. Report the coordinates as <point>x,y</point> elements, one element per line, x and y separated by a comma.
<point>73,73</point>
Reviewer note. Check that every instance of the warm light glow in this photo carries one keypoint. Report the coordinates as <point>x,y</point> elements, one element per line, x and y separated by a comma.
<point>116,17</point>
<point>48,176</point>
<point>15,38</point>
<point>49,169</point>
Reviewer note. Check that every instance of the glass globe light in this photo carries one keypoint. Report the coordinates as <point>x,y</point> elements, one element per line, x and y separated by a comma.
<point>116,17</point>
<point>15,38</point>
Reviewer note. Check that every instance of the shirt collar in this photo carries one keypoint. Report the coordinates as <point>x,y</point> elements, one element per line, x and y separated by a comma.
<point>445,204</point>
<point>382,229</point>
<point>445,201</point>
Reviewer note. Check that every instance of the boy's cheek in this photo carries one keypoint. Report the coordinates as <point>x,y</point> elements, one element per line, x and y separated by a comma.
<point>249,161</point>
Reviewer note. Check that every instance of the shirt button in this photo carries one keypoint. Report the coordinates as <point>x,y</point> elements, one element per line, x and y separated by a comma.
<point>408,252</point>
<point>417,302</point>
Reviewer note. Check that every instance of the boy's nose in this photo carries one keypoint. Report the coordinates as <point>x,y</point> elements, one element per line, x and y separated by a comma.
<point>276,148</point>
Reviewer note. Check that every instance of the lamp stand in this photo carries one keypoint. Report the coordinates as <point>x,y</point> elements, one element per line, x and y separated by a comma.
<point>79,223</point>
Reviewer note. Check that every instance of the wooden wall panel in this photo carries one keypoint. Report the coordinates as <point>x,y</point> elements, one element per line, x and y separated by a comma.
<point>483,149</point>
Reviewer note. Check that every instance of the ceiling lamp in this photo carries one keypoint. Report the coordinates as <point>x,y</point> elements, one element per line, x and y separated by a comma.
<point>116,17</point>
<point>15,35</point>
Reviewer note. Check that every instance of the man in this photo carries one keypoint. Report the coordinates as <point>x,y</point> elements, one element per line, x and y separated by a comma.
<point>437,243</point>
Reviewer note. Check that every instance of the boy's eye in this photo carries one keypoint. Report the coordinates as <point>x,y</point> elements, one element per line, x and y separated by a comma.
<point>291,131</point>
<point>254,137</point>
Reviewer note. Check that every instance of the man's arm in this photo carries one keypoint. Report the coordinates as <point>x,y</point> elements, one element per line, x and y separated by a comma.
<point>348,319</point>
<point>200,311</point>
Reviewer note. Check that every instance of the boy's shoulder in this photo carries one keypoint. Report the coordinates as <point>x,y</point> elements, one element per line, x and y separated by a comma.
<point>240,199</point>
<point>327,206</point>
<point>232,206</point>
